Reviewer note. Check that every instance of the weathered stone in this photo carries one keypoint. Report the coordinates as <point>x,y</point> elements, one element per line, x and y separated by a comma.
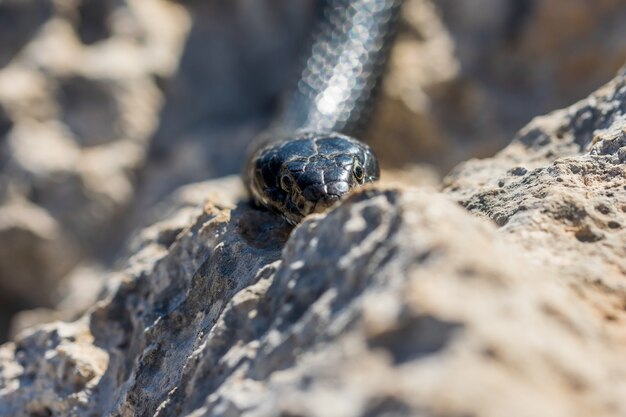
<point>397,302</point>
<point>466,75</point>
<point>390,303</point>
<point>559,189</point>
<point>75,123</point>
<point>19,22</point>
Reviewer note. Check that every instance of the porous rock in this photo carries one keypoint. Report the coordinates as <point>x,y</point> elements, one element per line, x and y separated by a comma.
<point>464,76</point>
<point>390,303</point>
<point>396,302</point>
<point>559,190</point>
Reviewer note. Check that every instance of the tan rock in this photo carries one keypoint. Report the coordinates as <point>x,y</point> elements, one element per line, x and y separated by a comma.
<point>397,302</point>
<point>464,76</point>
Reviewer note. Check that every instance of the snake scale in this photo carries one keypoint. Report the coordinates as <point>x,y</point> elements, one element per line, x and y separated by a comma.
<point>307,159</point>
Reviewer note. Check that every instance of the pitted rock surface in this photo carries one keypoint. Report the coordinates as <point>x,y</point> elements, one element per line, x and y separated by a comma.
<point>559,190</point>
<point>398,302</point>
<point>411,299</point>
<point>100,116</point>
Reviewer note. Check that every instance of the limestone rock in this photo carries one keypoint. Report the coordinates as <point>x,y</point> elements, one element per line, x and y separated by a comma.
<point>396,302</point>
<point>560,187</point>
<point>77,109</point>
<point>466,75</point>
<point>399,301</point>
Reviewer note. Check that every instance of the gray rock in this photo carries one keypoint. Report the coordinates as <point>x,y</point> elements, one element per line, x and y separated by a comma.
<point>19,22</point>
<point>397,302</point>
<point>466,75</point>
<point>559,189</point>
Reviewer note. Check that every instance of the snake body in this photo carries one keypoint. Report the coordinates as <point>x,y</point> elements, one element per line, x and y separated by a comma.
<point>307,160</point>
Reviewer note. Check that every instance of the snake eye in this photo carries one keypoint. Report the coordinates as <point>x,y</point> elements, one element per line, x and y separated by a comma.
<point>286,182</point>
<point>358,171</point>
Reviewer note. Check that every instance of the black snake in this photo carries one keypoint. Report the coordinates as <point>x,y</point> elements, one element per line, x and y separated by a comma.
<point>305,162</point>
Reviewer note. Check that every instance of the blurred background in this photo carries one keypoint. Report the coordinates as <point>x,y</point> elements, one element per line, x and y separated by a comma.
<point>107,106</point>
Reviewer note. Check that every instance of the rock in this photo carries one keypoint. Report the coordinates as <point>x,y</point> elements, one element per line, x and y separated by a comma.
<point>219,319</point>
<point>559,189</point>
<point>398,301</point>
<point>77,110</point>
<point>78,291</point>
<point>19,22</point>
<point>502,295</point>
<point>35,240</point>
<point>100,115</point>
<point>465,76</point>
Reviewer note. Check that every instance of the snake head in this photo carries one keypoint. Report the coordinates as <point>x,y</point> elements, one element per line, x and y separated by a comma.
<point>309,173</point>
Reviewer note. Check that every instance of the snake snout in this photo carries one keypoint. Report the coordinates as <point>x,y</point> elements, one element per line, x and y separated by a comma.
<point>325,203</point>
<point>310,173</point>
<point>338,188</point>
<point>324,196</point>
<point>313,192</point>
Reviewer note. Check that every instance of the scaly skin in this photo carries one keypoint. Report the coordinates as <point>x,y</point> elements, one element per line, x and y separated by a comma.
<point>309,173</point>
<point>305,162</point>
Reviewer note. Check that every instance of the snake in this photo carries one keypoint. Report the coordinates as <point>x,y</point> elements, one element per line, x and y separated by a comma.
<point>309,158</point>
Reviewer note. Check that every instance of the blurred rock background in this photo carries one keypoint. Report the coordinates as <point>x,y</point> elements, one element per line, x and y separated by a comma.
<point>107,106</point>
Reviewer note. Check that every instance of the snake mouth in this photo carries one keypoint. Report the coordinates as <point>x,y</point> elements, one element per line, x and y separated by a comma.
<point>326,202</point>
<point>318,198</point>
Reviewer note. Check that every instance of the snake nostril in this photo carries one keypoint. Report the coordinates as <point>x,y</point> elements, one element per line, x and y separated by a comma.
<point>286,183</point>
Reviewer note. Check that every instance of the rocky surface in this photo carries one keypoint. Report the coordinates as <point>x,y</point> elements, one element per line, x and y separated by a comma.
<point>93,94</point>
<point>397,302</point>
<point>466,75</point>
<point>78,104</point>
<point>559,191</point>
<point>500,292</point>
<point>566,167</point>
<point>100,115</point>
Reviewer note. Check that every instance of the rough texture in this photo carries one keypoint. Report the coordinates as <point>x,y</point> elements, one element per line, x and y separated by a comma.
<point>466,75</point>
<point>92,94</point>
<point>100,115</point>
<point>559,191</point>
<point>561,182</point>
<point>397,302</point>
<point>212,318</point>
